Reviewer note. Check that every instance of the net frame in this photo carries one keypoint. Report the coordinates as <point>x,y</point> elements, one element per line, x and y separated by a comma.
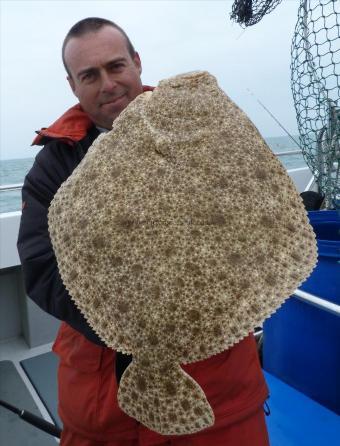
<point>315,83</point>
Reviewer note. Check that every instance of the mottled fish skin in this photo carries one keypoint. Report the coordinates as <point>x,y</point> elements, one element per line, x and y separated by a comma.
<point>177,234</point>
<point>164,398</point>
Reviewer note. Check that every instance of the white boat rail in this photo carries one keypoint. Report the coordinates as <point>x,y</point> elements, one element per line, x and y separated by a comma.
<point>290,152</point>
<point>7,187</point>
<point>317,302</point>
<point>17,186</point>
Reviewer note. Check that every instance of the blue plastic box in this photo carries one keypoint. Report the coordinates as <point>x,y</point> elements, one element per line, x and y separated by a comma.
<point>302,342</point>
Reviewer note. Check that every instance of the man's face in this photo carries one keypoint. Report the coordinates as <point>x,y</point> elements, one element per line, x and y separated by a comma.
<point>104,76</point>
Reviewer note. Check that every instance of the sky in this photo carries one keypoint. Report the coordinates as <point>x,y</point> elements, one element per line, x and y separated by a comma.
<point>172,37</point>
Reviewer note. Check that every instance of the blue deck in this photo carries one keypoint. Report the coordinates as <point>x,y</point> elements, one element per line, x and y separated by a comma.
<point>297,420</point>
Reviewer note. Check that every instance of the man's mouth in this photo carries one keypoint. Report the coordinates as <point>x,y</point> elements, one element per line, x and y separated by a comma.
<point>113,100</point>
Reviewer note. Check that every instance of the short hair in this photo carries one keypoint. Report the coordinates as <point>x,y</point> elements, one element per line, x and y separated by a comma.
<point>92,24</point>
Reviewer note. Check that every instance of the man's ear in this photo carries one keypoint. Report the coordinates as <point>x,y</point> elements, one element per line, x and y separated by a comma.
<point>72,84</point>
<point>137,62</point>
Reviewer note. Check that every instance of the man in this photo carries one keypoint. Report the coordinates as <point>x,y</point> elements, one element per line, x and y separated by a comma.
<point>103,71</point>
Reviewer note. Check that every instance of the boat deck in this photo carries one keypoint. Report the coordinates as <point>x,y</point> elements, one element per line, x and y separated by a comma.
<point>295,419</point>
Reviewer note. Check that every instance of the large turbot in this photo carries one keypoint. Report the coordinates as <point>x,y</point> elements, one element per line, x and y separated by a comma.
<point>177,234</point>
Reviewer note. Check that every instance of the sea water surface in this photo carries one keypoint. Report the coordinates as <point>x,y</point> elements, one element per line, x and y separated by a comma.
<point>14,171</point>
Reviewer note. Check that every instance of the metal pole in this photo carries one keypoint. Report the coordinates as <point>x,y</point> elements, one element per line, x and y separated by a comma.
<point>34,420</point>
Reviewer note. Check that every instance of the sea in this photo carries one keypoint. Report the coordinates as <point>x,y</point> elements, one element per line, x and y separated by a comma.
<point>13,171</point>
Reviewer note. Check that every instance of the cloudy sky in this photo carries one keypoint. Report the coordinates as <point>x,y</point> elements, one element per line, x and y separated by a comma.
<point>171,37</point>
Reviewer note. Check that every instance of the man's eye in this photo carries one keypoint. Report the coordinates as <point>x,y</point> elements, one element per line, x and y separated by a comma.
<point>88,77</point>
<point>117,66</point>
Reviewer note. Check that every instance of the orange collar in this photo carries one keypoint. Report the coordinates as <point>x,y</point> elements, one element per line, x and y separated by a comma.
<point>72,126</point>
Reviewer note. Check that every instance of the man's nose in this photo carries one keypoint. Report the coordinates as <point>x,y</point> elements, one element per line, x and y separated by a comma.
<point>108,82</point>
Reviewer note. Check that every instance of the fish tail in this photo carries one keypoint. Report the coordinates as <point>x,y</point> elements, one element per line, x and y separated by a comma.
<point>165,399</point>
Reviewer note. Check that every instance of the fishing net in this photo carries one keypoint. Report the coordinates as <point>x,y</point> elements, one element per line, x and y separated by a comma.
<point>249,12</point>
<point>315,77</point>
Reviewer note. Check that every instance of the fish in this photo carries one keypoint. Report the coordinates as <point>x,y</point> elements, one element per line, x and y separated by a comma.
<point>176,235</point>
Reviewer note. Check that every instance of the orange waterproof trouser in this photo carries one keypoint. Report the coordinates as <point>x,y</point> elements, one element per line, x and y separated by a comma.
<point>251,431</point>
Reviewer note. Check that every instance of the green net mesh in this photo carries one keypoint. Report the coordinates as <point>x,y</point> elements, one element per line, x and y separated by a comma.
<point>249,12</point>
<point>315,77</point>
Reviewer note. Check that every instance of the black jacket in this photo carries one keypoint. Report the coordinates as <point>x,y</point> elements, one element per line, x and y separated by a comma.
<point>52,166</point>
